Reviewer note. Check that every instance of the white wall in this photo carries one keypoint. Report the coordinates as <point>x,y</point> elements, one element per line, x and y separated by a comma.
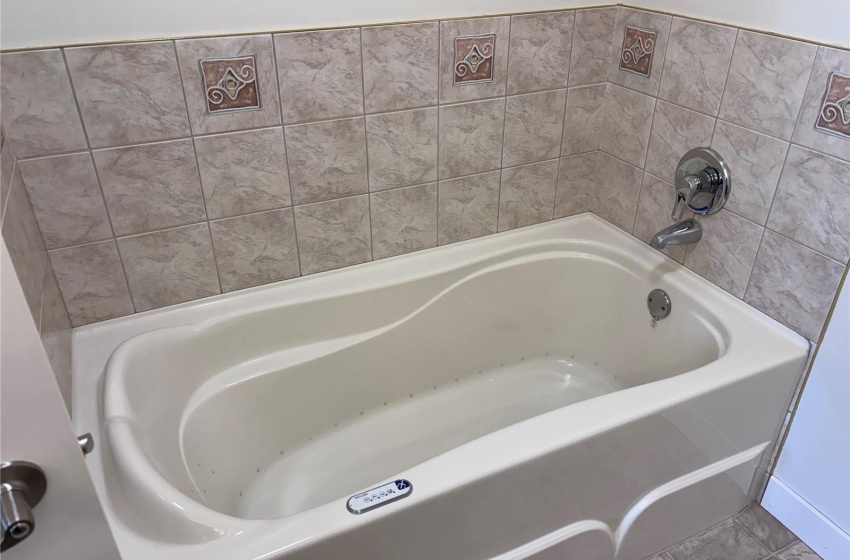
<point>29,23</point>
<point>36,23</point>
<point>824,21</point>
<point>812,495</point>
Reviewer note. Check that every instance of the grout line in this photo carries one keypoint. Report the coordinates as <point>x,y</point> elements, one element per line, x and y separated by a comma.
<point>286,159</point>
<point>751,534</point>
<point>215,258</point>
<point>76,100</point>
<point>504,129</point>
<point>767,218</point>
<point>643,174</point>
<point>90,153</point>
<point>366,146</point>
<point>275,209</point>
<point>728,71</point>
<point>11,180</point>
<point>439,92</point>
<point>803,99</point>
<point>266,127</point>
<point>183,89</point>
<point>126,280</point>
<point>564,119</point>
<point>501,162</point>
<point>206,213</point>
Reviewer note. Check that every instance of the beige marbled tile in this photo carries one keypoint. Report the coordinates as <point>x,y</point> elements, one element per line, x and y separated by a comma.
<point>696,64</point>
<point>26,248</point>
<point>539,54</point>
<point>333,234</point>
<point>725,254</point>
<point>728,540</point>
<point>129,93</point>
<point>255,249</point>
<point>674,131</point>
<point>583,119</point>
<point>527,194</point>
<point>576,183</point>
<point>812,203</point>
<point>92,282</point>
<point>66,198</point>
<point>534,124</point>
<point>169,266</point>
<point>756,163</point>
<point>56,333</point>
<point>468,207</point>
<point>591,51</point>
<point>653,213</point>
<point>471,137</point>
<point>799,551</point>
<point>7,165</point>
<point>320,74</point>
<point>151,186</point>
<point>189,54</point>
<point>616,193</point>
<point>449,30</point>
<point>404,220</point>
<point>327,160</point>
<point>402,148</point>
<point>243,172</point>
<point>766,83</point>
<point>39,113</point>
<point>643,20</point>
<point>827,61</point>
<point>626,124</point>
<point>766,528</point>
<point>793,284</point>
<point>401,66</point>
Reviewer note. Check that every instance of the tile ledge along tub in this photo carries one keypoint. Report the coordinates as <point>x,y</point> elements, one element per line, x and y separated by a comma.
<point>516,381</point>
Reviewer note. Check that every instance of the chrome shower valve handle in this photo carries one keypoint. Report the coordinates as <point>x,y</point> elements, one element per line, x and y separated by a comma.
<point>688,188</point>
<point>703,183</point>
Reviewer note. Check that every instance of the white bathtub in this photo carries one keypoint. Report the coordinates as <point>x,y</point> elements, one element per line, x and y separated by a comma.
<point>516,381</point>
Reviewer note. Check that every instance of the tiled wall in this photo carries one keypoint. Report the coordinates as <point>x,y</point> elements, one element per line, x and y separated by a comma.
<point>783,240</point>
<point>26,249</point>
<point>166,171</point>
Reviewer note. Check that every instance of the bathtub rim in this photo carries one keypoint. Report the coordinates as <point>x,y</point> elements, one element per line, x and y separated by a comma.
<point>94,343</point>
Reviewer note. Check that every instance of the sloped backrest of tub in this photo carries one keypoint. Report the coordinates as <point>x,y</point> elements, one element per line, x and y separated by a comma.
<point>150,378</point>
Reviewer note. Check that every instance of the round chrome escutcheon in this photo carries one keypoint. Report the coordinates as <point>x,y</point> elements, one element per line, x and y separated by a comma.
<point>659,304</point>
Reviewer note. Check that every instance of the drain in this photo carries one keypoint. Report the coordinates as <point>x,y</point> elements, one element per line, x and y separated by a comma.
<point>659,304</point>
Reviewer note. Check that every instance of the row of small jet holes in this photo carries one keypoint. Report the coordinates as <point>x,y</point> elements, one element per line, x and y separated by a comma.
<point>336,424</point>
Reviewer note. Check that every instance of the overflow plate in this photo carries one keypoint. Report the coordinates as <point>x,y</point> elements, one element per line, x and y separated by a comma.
<point>659,304</point>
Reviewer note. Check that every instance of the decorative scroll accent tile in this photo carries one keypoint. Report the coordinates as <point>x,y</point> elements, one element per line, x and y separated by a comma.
<point>834,117</point>
<point>638,48</point>
<point>474,59</point>
<point>230,84</point>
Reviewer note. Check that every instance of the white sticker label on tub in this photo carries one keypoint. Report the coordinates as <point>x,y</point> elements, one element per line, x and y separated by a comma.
<point>382,495</point>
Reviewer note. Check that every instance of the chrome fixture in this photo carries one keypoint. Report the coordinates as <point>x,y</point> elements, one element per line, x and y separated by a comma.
<point>22,485</point>
<point>659,304</point>
<point>703,185</point>
<point>682,233</point>
<point>86,443</point>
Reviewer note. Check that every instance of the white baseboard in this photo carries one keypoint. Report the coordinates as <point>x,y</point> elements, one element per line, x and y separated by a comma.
<point>821,534</point>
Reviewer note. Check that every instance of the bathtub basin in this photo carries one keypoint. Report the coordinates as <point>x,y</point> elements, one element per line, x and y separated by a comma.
<point>517,382</point>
